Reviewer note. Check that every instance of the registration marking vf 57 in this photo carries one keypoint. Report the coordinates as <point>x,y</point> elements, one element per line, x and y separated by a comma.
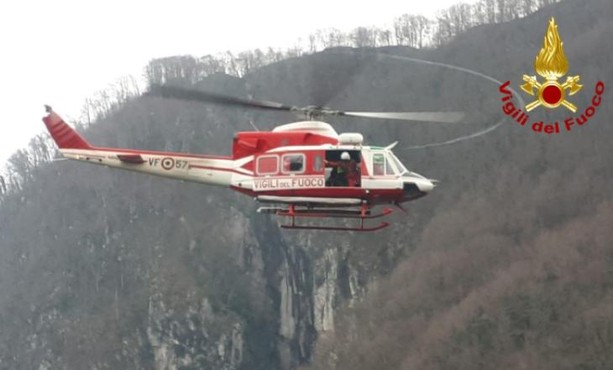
<point>168,163</point>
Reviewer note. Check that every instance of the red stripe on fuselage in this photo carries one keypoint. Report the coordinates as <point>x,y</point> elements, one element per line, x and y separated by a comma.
<point>168,154</point>
<point>373,196</point>
<point>225,169</point>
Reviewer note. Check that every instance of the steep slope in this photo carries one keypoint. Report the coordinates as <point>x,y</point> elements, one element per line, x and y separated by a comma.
<point>513,270</point>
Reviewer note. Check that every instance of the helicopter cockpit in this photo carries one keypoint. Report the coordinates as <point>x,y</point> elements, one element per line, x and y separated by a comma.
<point>373,162</point>
<point>382,162</point>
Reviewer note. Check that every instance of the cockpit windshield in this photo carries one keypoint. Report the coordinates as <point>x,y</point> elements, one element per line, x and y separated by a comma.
<point>401,168</point>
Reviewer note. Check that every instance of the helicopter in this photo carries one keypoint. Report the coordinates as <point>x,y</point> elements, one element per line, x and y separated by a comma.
<point>303,169</point>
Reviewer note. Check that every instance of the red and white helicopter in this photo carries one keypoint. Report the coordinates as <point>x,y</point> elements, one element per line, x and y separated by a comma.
<point>301,169</point>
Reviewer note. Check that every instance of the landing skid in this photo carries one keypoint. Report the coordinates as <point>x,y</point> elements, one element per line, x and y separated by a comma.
<point>382,225</point>
<point>363,213</point>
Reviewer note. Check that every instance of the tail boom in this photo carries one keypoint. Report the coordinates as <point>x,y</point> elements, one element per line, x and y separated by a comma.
<point>212,170</point>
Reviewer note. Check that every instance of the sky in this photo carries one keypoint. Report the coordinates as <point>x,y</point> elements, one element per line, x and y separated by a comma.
<point>62,52</point>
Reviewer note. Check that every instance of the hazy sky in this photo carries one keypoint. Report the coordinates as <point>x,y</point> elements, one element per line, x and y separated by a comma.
<point>61,52</point>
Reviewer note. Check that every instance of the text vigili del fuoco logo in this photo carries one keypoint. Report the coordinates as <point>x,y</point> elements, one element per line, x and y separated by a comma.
<point>551,64</point>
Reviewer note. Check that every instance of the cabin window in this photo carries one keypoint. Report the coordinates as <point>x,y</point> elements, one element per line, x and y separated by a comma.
<point>292,163</point>
<point>318,163</point>
<point>268,165</point>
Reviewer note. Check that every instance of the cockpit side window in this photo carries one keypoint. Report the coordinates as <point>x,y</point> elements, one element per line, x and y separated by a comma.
<point>382,165</point>
<point>378,164</point>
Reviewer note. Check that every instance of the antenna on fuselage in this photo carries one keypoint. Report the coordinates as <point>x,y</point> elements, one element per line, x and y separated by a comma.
<point>253,125</point>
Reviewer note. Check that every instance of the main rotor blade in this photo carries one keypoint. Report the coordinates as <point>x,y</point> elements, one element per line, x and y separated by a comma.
<point>441,117</point>
<point>181,93</point>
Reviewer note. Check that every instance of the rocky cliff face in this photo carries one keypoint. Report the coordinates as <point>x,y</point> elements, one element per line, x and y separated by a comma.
<point>151,278</point>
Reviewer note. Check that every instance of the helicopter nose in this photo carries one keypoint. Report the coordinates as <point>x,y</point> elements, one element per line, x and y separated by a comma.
<point>416,187</point>
<point>424,185</point>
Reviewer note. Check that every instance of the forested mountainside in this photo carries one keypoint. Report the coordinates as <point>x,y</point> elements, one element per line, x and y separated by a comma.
<point>513,269</point>
<point>506,264</point>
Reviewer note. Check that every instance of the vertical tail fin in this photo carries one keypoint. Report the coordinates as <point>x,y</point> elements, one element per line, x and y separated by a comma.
<point>64,136</point>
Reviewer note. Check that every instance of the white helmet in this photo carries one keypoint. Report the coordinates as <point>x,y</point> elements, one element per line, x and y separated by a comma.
<point>345,156</point>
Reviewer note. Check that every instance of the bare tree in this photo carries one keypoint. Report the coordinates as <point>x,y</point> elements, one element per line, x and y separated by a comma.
<point>362,37</point>
<point>383,37</point>
<point>312,43</point>
<point>490,11</point>
<point>527,6</point>
<point>20,167</point>
<point>479,13</point>
<point>501,8</point>
<point>423,29</point>
<point>273,56</point>
<point>411,30</point>
<point>541,3</point>
<point>125,88</point>
<point>460,18</point>
<point>402,30</point>
<point>444,28</point>
<point>513,9</point>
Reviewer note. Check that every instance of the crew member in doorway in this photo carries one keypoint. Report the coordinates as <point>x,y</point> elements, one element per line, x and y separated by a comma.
<point>345,172</point>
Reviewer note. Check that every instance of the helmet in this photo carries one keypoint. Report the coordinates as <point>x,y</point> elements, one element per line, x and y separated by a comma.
<point>345,156</point>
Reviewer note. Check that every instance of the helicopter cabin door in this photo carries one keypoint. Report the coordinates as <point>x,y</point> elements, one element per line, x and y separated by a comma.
<point>342,170</point>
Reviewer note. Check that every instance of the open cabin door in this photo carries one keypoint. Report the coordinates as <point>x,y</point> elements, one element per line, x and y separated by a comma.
<point>343,173</point>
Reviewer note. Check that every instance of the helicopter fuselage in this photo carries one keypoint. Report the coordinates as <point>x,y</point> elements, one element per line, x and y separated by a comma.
<point>304,164</point>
